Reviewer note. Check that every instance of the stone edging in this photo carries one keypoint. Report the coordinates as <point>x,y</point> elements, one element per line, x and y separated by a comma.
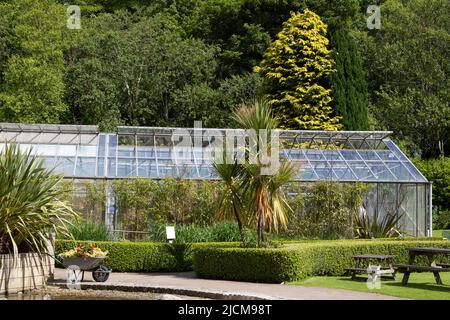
<point>209,294</point>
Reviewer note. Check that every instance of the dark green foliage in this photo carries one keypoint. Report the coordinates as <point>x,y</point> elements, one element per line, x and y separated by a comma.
<point>31,80</point>
<point>91,231</point>
<point>142,256</point>
<point>297,261</point>
<point>441,219</point>
<point>182,253</point>
<point>226,231</point>
<point>438,171</point>
<point>408,73</point>
<point>348,82</point>
<point>324,209</point>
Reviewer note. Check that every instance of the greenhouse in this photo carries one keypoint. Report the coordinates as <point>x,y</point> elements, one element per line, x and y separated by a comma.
<point>369,157</point>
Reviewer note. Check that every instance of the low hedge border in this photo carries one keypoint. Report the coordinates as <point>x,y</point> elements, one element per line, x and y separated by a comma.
<point>298,261</point>
<point>142,256</point>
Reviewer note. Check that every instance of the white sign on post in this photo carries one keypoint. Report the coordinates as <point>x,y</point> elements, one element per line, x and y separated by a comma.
<point>170,233</point>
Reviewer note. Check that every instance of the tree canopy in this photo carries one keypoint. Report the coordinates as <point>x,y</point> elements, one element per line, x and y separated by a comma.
<point>296,67</point>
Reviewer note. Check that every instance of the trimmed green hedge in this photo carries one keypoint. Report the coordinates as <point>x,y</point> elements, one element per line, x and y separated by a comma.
<point>297,261</point>
<point>141,256</point>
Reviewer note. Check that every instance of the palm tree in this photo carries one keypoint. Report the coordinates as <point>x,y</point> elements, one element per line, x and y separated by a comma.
<point>30,204</point>
<point>248,185</point>
<point>266,196</point>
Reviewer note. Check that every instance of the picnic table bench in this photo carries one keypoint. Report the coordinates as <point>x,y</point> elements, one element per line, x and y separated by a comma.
<point>432,266</point>
<point>363,262</point>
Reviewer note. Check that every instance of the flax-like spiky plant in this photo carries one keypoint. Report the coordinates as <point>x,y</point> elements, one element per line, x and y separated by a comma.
<point>368,227</point>
<point>30,204</point>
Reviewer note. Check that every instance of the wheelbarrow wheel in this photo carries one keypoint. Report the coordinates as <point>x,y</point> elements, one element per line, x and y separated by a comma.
<point>101,274</point>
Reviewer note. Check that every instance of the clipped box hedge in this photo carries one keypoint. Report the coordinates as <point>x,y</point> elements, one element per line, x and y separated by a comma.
<point>298,261</point>
<point>139,256</point>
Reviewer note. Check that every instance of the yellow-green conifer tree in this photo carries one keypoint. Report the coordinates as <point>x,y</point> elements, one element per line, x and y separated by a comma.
<point>296,66</point>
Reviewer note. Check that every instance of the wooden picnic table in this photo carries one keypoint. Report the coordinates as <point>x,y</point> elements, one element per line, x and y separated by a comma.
<point>362,262</point>
<point>433,266</point>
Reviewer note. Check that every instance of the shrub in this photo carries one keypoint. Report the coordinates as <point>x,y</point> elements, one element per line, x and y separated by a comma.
<point>226,231</point>
<point>297,261</point>
<point>441,219</point>
<point>438,171</point>
<point>143,256</point>
<point>89,231</point>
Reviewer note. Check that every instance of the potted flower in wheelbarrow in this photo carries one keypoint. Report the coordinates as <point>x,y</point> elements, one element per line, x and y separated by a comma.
<point>87,258</point>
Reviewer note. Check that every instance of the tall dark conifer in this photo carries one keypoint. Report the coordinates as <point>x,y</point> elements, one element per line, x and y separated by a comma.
<point>349,85</point>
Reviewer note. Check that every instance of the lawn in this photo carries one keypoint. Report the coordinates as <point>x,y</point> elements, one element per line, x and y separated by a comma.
<point>438,233</point>
<point>420,286</point>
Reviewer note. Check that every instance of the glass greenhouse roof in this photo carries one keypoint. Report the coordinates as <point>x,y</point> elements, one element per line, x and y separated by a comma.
<point>149,152</point>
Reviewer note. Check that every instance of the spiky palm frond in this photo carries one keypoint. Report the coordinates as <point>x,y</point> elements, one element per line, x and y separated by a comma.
<point>230,200</point>
<point>257,116</point>
<point>266,193</point>
<point>29,202</point>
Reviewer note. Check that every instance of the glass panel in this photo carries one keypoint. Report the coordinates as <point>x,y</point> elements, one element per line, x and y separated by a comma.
<point>188,171</point>
<point>167,171</point>
<point>163,153</point>
<point>101,145</point>
<point>183,156</point>
<point>391,145</point>
<point>344,174</point>
<point>350,155</point>
<point>205,171</point>
<point>386,155</point>
<point>126,167</point>
<point>85,167</point>
<point>381,172</point>
<point>314,154</point>
<point>146,153</point>
<point>332,155</point>
<point>296,154</point>
<point>65,166</point>
<point>368,155</point>
<point>67,150</point>
<point>361,170</point>
<point>112,145</point>
<point>307,173</point>
<point>112,167</point>
<point>421,211</point>
<point>415,172</point>
<point>100,166</point>
<point>126,151</point>
<point>342,171</point>
<point>323,170</point>
<point>164,161</point>
<point>407,209</point>
<point>147,168</point>
<point>87,151</point>
<point>163,141</point>
<point>145,141</point>
<point>400,171</point>
<point>45,149</point>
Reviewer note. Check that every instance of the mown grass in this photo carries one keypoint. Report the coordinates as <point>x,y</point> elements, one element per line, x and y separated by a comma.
<point>421,286</point>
